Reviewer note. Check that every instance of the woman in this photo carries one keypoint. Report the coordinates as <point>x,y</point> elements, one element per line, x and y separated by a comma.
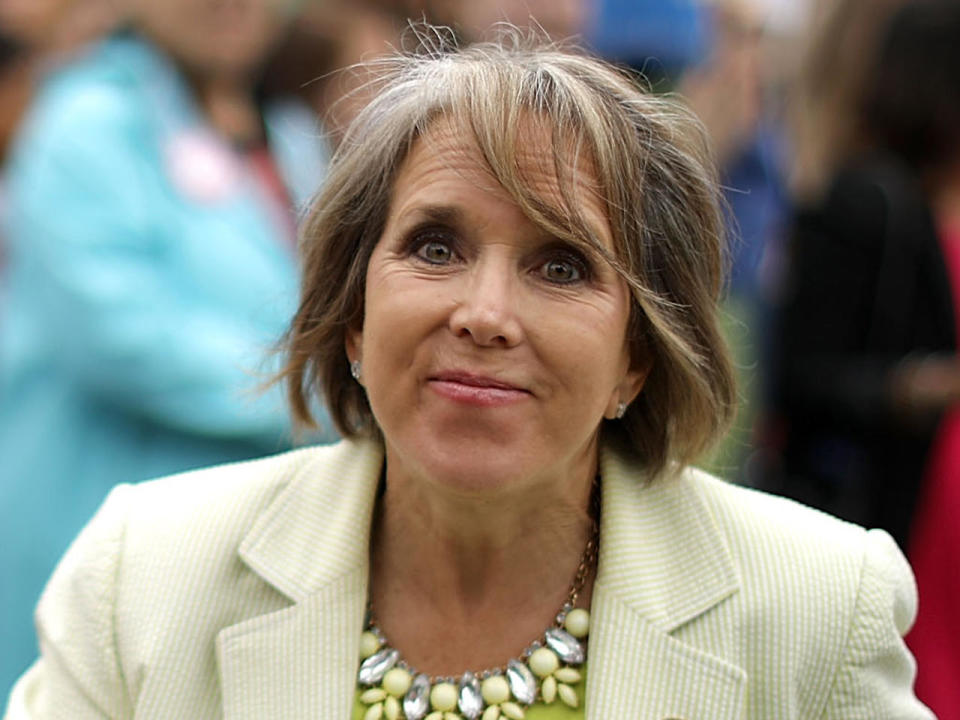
<point>151,198</point>
<point>519,342</point>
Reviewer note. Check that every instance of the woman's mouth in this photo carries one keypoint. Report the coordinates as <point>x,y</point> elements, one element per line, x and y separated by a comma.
<point>477,390</point>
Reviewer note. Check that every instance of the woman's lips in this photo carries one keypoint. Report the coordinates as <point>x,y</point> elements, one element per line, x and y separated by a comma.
<point>476,389</point>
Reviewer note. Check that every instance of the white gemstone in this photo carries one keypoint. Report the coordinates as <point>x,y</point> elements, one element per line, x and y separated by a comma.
<point>470,700</point>
<point>375,667</point>
<point>417,701</point>
<point>565,645</point>
<point>523,684</point>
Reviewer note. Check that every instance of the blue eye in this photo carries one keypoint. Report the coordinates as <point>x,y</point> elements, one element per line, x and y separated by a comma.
<point>436,252</point>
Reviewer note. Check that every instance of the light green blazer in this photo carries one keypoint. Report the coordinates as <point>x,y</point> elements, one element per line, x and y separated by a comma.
<point>239,592</point>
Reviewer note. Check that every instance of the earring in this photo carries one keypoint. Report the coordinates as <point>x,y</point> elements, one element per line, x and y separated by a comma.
<point>355,370</point>
<point>621,409</point>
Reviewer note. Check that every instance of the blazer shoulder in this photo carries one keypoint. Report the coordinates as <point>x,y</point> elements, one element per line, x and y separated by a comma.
<point>821,564</point>
<point>757,523</point>
<point>227,497</point>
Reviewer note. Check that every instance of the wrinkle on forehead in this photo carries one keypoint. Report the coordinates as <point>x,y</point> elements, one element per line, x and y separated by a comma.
<point>552,178</point>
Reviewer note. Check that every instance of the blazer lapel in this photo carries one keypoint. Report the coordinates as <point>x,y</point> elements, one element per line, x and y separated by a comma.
<point>311,545</point>
<point>663,563</point>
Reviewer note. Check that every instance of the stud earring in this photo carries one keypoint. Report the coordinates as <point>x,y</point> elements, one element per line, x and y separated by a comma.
<point>355,370</point>
<point>621,409</point>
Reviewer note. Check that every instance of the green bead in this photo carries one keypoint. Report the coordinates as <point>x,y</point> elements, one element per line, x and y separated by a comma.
<point>391,708</point>
<point>577,623</point>
<point>495,690</point>
<point>397,681</point>
<point>491,713</point>
<point>373,695</point>
<point>543,661</point>
<point>443,697</point>
<point>369,644</point>
<point>548,690</point>
<point>568,675</point>
<point>568,695</point>
<point>512,711</point>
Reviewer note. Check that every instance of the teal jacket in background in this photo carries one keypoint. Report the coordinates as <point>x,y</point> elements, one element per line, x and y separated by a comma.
<point>149,274</point>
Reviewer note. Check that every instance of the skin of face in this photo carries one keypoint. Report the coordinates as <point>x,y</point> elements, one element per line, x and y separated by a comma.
<point>490,351</point>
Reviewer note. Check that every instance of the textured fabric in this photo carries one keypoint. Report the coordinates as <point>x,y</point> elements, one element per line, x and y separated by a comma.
<point>239,592</point>
<point>149,275</point>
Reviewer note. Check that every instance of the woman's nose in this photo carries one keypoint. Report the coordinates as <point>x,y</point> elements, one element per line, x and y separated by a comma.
<point>488,310</point>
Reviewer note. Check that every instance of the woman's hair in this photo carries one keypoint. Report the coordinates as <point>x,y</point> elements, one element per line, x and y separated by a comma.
<point>911,103</point>
<point>654,174</point>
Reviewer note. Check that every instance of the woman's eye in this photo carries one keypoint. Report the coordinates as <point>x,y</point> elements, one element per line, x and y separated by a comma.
<point>563,270</point>
<point>436,252</point>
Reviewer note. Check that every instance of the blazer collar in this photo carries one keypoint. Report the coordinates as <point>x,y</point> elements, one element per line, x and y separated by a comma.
<point>311,544</point>
<point>663,533</point>
<point>662,564</point>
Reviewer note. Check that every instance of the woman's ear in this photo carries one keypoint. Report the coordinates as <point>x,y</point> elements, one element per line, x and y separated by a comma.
<point>628,388</point>
<point>353,344</point>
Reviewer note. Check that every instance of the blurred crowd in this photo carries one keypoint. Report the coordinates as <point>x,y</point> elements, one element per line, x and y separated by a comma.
<point>156,157</point>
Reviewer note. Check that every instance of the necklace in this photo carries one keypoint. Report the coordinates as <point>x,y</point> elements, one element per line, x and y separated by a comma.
<point>546,671</point>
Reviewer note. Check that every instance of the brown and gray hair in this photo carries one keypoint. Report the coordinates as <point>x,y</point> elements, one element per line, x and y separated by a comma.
<point>654,174</point>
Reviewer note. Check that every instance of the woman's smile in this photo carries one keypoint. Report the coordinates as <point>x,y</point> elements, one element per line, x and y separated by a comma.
<point>477,390</point>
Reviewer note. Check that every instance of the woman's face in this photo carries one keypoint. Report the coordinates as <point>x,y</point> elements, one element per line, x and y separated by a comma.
<point>490,351</point>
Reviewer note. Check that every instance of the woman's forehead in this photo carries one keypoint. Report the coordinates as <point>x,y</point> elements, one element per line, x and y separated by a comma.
<point>531,163</point>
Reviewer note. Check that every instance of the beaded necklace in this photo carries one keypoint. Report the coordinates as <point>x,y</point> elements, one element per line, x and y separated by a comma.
<point>546,671</point>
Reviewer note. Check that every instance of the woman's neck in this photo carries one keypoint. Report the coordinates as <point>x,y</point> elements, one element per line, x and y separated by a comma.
<point>463,583</point>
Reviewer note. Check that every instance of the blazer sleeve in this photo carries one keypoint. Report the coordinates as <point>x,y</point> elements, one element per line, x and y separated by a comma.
<point>79,675</point>
<point>876,673</point>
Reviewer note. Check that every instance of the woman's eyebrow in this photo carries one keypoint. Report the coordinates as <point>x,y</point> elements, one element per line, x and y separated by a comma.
<point>440,214</point>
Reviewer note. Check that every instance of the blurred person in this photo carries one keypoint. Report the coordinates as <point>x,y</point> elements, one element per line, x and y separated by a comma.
<point>34,34</point>
<point>151,266</point>
<point>509,303</point>
<point>730,91</point>
<point>870,379</point>
<point>866,325</point>
<point>559,19</point>
<point>841,41</point>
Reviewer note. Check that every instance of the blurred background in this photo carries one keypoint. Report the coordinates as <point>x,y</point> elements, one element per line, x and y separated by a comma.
<point>156,157</point>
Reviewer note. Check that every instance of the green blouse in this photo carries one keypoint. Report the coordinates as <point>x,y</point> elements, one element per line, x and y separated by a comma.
<point>537,711</point>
